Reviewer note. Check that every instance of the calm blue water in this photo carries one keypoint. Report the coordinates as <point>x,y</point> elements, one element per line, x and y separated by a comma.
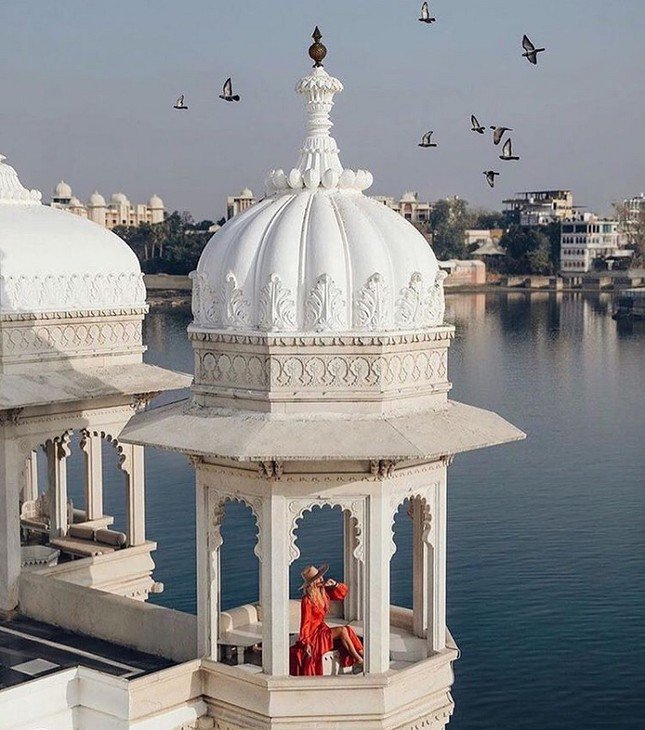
<point>546,537</point>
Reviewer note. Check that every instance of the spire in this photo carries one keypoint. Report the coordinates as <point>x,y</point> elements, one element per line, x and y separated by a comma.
<point>319,164</point>
<point>11,189</point>
<point>320,151</point>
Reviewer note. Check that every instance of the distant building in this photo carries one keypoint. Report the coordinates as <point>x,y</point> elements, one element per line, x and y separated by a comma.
<point>409,206</point>
<point>632,218</point>
<point>586,239</point>
<point>118,212</point>
<point>541,207</point>
<point>239,203</point>
<point>463,272</point>
<point>635,207</point>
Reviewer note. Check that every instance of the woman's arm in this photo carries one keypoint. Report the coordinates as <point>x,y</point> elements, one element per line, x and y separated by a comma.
<point>336,591</point>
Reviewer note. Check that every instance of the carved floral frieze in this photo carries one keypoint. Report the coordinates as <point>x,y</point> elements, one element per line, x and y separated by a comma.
<point>54,292</point>
<point>45,336</point>
<point>330,371</point>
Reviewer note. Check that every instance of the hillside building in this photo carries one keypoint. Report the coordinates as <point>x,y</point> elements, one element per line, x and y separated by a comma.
<point>118,212</point>
<point>409,206</point>
<point>236,204</point>
<point>540,207</point>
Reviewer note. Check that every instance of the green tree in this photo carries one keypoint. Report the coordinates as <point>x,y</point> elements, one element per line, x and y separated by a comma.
<point>528,251</point>
<point>447,223</point>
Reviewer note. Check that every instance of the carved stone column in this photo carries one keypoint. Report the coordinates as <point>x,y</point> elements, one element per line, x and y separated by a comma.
<point>378,553</point>
<point>421,565</point>
<point>274,585</point>
<point>437,582</point>
<point>353,569</point>
<point>132,466</point>
<point>11,467</point>
<point>30,491</point>
<point>57,451</point>
<point>208,571</point>
<point>91,445</point>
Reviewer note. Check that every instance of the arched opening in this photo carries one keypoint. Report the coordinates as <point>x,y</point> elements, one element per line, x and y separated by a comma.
<point>240,618</point>
<point>326,535</point>
<point>239,564</point>
<point>62,504</point>
<point>401,562</point>
<point>319,539</point>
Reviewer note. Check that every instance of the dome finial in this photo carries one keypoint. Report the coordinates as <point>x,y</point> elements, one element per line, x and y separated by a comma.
<point>317,50</point>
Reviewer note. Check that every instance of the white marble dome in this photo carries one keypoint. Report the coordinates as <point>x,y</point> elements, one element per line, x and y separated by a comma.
<point>155,202</point>
<point>53,261</point>
<point>62,190</point>
<point>96,200</point>
<point>120,199</point>
<point>316,254</point>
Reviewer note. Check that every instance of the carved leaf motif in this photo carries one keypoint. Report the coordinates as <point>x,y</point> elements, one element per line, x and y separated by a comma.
<point>277,306</point>
<point>436,302</point>
<point>325,306</point>
<point>236,306</point>
<point>409,305</point>
<point>371,310</point>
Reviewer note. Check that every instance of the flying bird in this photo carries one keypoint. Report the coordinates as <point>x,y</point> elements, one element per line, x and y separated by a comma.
<point>498,133</point>
<point>507,151</point>
<point>425,14</point>
<point>179,104</point>
<point>425,140</point>
<point>477,127</point>
<point>490,177</point>
<point>530,51</point>
<point>227,92</point>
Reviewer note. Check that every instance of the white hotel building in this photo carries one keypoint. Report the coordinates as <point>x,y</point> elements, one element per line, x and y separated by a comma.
<point>118,212</point>
<point>586,238</point>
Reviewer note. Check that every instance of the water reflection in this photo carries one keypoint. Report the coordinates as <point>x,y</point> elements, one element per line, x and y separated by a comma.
<point>546,537</point>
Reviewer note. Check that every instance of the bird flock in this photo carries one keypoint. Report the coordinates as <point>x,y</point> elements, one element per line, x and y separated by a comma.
<point>531,55</point>
<point>227,95</point>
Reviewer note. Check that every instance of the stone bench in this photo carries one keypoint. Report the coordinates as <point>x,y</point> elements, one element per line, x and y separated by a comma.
<point>84,541</point>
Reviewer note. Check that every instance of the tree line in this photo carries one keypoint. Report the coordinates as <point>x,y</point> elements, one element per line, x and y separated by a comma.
<point>174,246</point>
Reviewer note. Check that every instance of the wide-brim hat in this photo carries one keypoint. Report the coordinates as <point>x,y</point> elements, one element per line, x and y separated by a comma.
<point>311,574</point>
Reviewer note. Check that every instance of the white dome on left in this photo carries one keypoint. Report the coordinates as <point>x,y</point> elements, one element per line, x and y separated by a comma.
<point>52,261</point>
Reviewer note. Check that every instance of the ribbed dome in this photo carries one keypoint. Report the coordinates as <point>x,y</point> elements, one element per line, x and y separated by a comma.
<point>316,255</point>
<point>120,199</point>
<point>155,202</point>
<point>62,190</point>
<point>96,200</point>
<point>52,261</point>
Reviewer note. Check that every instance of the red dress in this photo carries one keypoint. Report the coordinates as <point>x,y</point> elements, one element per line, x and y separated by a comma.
<point>315,633</point>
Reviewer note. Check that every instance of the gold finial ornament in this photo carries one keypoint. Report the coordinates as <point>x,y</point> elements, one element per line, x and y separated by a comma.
<point>317,50</point>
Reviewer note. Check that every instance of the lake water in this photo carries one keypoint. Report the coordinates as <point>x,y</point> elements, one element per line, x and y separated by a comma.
<point>546,537</point>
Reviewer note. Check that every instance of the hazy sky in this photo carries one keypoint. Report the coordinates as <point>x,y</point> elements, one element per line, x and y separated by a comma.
<point>87,90</point>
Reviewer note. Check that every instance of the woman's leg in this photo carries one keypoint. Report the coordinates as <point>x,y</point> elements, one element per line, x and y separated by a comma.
<point>341,633</point>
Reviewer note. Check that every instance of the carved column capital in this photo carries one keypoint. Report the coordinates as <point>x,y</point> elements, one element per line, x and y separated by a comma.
<point>383,468</point>
<point>271,470</point>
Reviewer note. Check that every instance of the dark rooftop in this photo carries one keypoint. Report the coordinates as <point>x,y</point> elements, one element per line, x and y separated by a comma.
<point>31,649</point>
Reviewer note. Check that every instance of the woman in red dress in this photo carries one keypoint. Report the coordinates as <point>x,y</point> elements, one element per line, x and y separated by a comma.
<point>315,637</point>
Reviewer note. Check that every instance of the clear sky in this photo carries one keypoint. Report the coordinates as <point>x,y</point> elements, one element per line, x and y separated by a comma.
<point>87,90</point>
